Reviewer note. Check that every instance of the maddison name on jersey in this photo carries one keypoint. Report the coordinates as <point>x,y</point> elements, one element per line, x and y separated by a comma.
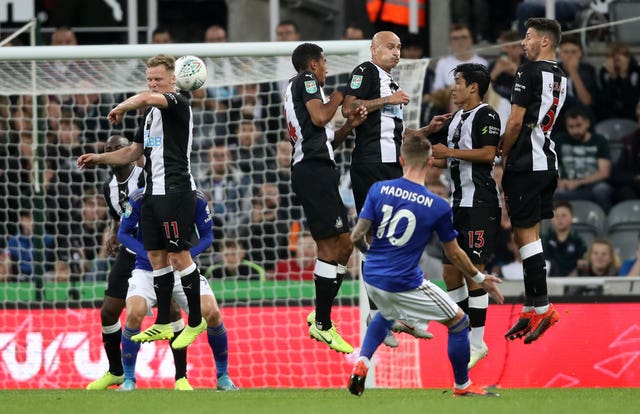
<point>406,195</point>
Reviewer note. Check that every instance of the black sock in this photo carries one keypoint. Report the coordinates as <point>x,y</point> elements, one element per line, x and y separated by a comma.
<point>111,342</point>
<point>179,358</point>
<point>477,316</point>
<point>191,287</point>
<point>535,274</point>
<point>163,286</point>
<point>325,280</point>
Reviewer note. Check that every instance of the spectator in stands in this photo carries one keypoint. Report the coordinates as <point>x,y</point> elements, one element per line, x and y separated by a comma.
<point>600,260</point>
<point>92,228</point>
<point>228,187</point>
<point>503,70</point>
<point>631,267</point>
<point>626,169</point>
<point>582,81</point>
<point>252,155</point>
<point>234,264</point>
<point>215,98</point>
<point>475,14</point>
<point>90,111</point>
<point>562,245</point>
<point>63,36</point>
<point>353,32</point>
<point>461,43</point>
<point>302,264</point>
<point>264,234</point>
<point>287,31</point>
<point>619,82</point>
<point>22,251</point>
<point>584,162</point>
<point>565,11</point>
<point>6,272</point>
<point>161,35</point>
<point>289,207</point>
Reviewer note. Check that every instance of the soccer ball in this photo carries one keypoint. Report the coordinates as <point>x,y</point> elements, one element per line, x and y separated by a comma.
<point>190,72</point>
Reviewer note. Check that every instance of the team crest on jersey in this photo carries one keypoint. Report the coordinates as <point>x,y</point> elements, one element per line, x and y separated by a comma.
<point>310,86</point>
<point>356,81</point>
<point>127,209</point>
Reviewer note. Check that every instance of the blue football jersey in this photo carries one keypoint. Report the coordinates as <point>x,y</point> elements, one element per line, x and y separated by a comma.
<point>403,215</point>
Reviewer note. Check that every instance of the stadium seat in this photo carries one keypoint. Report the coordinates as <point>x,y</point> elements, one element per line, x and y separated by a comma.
<point>589,220</point>
<point>625,214</point>
<point>615,129</point>
<point>625,242</point>
<point>620,10</point>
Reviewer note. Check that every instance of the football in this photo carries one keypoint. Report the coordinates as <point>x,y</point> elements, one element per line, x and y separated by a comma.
<point>190,72</point>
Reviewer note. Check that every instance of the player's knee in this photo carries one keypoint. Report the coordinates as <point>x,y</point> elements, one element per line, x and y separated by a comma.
<point>459,323</point>
<point>109,314</point>
<point>134,320</point>
<point>210,311</point>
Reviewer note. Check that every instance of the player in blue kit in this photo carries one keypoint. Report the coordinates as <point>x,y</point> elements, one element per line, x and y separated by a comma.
<point>401,215</point>
<point>141,297</point>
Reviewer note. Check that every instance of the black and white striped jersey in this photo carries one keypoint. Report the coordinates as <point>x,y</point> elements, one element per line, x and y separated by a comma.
<point>472,182</point>
<point>541,88</point>
<point>309,141</point>
<point>379,137</point>
<point>167,136</point>
<point>117,193</point>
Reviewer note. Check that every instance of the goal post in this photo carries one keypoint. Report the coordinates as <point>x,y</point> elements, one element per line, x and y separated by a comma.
<point>53,106</point>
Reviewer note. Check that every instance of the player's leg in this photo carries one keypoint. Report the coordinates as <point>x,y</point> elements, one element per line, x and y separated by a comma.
<point>216,336</point>
<point>137,308</point>
<point>363,176</point>
<point>377,330</point>
<point>331,253</point>
<point>316,186</point>
<point>179,355</point>
<point>438,306</point>
<point>532,204</point>
<point>112,307</point>
<point>178,245</point>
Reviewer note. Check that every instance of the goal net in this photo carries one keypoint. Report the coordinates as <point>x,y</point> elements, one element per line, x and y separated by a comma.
<point>53,218</point>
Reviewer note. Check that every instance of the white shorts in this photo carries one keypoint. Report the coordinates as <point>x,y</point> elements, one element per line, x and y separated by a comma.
<point>418,306</point>
<point>141,284</point>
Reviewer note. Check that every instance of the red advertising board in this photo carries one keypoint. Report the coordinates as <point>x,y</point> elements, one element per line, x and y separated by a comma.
<point>593,345</point>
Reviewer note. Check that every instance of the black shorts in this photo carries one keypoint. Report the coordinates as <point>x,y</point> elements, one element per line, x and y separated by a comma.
<point>316,186</point>
<point>167,221</point>
<point>529,196</point>
<point>118,280</point>
<point>477,232</point>
<point>363,176</point>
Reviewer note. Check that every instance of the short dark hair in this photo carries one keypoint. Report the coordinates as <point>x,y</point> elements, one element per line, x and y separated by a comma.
<point>289,23</point>
<point>572,40</point>
<point>576,111</point>
<point>563,203</point>
<point>548,26</point>
<point>474,73</point>
<point>303,54</point>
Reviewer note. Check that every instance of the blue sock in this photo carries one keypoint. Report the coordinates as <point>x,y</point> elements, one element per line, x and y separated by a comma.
<point>219,344</point>
<point>377,330</point>
<point>129,352</point>
<point>458,349</point>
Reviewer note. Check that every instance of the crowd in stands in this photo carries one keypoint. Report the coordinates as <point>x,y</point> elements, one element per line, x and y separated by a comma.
<point>242,159</point>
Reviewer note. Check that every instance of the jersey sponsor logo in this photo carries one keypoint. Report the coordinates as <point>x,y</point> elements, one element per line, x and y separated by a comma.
<point>519,87</point>
<point>356,81</point>
<point>153,142</point>
<point>491,130</point>
<point>311,86</point>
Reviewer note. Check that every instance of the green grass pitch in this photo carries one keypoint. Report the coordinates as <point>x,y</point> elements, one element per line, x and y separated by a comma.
<point>325,401</point>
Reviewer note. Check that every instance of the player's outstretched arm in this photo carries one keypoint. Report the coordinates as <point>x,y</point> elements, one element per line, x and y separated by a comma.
<point>137,101</point>
<point>435,125</point>
<point>359,233</point>
<point>122,156</point>
<point>459,258</point>
<point>351,103</point>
